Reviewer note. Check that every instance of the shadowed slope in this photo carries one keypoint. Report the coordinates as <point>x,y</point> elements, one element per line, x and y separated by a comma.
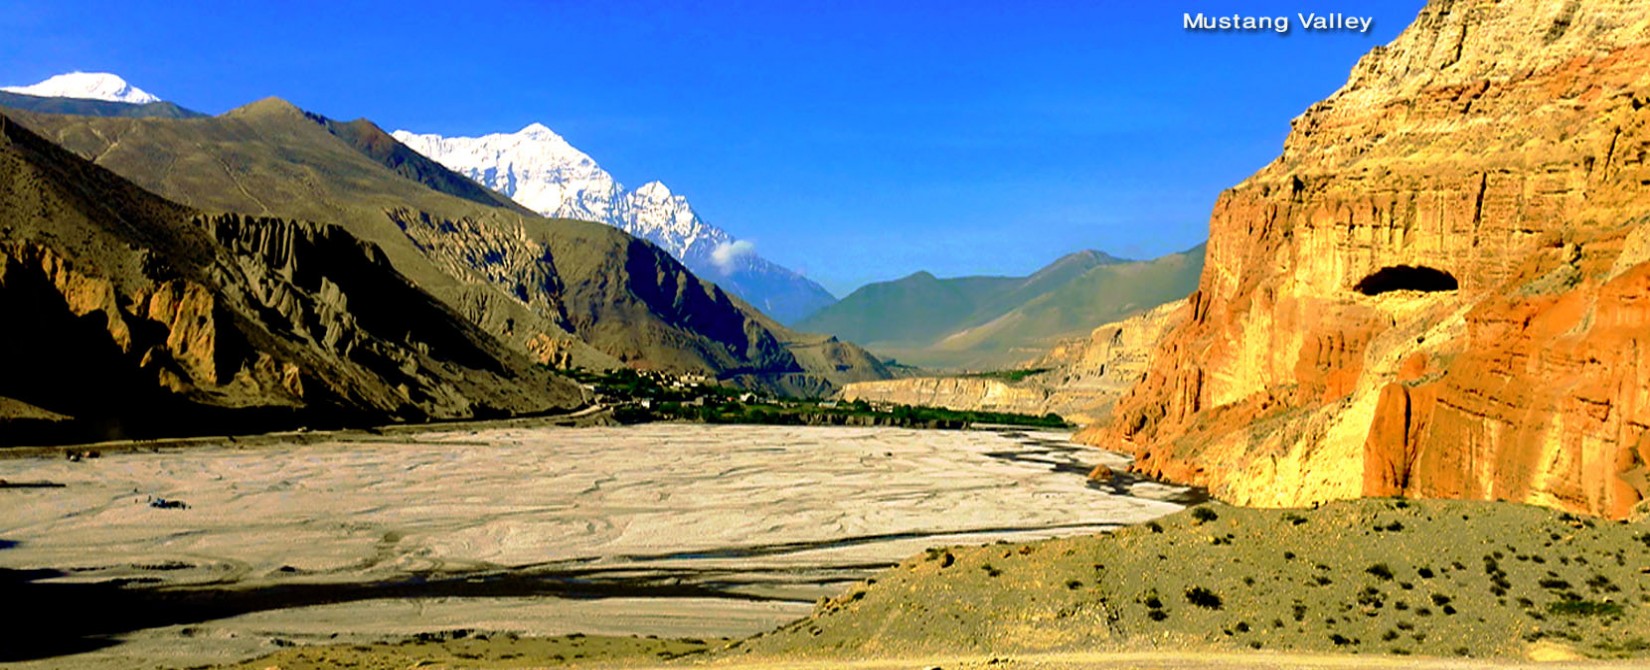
<point>135,317</point>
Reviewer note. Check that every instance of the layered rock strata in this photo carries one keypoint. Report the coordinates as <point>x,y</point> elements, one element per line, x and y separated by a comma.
<point>1438,288</point>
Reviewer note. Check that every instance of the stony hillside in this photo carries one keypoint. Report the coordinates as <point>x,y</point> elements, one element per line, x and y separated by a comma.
<point>1079,379</point>
<point>984,323</point>
<point>1438,288</point>
<point>1428,578</point>
<point>564,292</point>
<point>130,316</point>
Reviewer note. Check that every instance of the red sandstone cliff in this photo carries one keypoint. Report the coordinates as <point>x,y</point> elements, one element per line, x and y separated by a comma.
<point>1496,146</point>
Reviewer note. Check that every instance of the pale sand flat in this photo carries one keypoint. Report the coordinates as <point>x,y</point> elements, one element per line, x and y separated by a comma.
<point>783,515</point>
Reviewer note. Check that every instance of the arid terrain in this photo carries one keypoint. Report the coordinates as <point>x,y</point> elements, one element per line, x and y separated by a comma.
<point>1357,584</point>
<point>215,553</point>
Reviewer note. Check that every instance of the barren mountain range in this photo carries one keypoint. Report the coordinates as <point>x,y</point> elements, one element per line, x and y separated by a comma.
<point>987,323</point>
<point>1434,290</point>
<point>531,291</point>
<point>131,316</point>
<point>542,171</point>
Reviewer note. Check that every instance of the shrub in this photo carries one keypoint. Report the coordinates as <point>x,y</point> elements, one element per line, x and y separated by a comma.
<point>1204,514</point>
<point>1584,608</point>
<point>1203,597</point>
<point>1380,571</point>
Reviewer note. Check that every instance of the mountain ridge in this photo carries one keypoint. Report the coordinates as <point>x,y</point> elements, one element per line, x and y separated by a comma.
<point>87,86</point>
<point>989,322</point>
<point>541,170</point>
<point>565,292</point>
<point>147,318</point>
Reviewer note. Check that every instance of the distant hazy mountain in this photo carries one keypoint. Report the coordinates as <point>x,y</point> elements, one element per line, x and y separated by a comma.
<point>992,322</point>
<point>540,170</point>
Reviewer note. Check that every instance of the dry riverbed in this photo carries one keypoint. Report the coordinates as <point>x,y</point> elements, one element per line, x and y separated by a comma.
<point>671,530</point>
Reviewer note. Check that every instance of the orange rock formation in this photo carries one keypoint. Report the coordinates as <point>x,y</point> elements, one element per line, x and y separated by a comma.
<point>1439,289</point>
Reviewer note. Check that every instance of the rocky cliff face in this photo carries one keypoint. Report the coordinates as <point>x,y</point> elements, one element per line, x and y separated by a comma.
<point>1080,379</point>
<point>1436,290</point>
<point>128,316</point>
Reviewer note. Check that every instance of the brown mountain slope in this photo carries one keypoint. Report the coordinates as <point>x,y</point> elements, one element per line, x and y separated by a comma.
<point>1079,379</point>
<point>989,323</point>
<point>378,145</point>
<point>570,293</point>
<point>1438,288</point>
<point>128,316</point>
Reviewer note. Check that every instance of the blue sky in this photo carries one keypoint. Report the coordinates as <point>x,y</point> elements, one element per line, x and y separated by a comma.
<point>853,141</point>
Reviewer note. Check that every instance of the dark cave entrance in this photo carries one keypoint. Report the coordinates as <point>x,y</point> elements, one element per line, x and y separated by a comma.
<point>1406,278</point>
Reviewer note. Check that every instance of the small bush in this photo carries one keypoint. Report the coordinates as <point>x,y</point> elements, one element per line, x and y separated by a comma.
<point>1584,608</point>
<point>1380,571</point>
<point>1203,597</point>
<point>1204,514</point>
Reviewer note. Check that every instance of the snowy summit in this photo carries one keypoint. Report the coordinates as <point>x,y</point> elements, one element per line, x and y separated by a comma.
<point>539,169</point>
<point>87,86</point>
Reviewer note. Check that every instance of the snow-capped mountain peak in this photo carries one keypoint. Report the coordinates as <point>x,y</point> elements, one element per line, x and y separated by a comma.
<point>538,130</point>
<point>654,191</point>
<point>539,169</point>
<point>87,86</point>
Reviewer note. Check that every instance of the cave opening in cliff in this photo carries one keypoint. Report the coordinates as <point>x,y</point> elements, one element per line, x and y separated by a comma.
<point>1406,278</point>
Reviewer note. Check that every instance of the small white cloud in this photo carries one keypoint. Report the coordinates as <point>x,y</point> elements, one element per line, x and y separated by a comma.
<point>726,253</point>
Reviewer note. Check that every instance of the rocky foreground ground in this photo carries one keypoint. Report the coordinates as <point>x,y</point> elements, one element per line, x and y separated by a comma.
<point>1409,583</point>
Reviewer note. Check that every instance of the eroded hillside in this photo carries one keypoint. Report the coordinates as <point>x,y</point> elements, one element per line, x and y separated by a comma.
<point>1438,288</point>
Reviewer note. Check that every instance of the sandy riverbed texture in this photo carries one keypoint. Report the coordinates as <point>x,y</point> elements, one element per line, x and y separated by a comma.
<point>671,530</point>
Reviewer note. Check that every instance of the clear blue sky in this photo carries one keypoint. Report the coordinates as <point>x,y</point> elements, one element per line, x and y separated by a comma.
<point>854,141</point>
